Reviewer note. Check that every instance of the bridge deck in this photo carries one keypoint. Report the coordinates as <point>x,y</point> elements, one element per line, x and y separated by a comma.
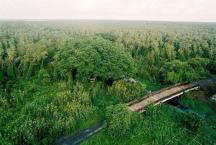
<point>162,96</point>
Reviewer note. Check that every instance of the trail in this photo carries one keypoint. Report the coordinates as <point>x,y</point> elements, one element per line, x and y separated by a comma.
<point>79,137</point>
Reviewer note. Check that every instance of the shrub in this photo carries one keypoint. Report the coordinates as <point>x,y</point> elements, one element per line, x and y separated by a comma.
<point>44,76</point>
<point>119,120</point>
<point>127,90</point>
<point>192,121</point>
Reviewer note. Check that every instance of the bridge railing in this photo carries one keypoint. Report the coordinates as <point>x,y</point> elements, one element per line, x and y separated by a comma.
<point>193,87</point>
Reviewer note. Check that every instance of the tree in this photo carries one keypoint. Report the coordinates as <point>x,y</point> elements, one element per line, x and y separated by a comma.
<point>181,71</point>
<point>173,71</point>
<point>94,58</point>
<point>109,36</point>
<point>3,55</point>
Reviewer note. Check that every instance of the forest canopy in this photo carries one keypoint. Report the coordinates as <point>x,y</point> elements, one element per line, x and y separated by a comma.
<point>60,77</point>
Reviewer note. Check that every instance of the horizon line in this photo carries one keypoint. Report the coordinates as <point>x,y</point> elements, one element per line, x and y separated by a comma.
<point>98,19</point>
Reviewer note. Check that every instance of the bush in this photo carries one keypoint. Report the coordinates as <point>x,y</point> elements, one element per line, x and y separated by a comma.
<point>119,120</point>
<point>127,90</point>
<point>44,76</point>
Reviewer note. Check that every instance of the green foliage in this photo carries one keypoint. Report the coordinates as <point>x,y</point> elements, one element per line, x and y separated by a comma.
<point>195,104</point>
<point>101,97</point>
<point>177,71</point>
<point>47,114</point>
<point>94,58</point>
<point>192,121</point>
<point>212,66</point>
<point>45,68</point>
<point>44,76</point>
<point>212,121</point>
<point>109,36</point>
<point>127,90</point>
<point>119,120</point>
<point>158,126</point>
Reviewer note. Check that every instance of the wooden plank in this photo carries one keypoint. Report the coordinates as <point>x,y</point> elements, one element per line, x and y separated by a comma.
<point>162,96</point>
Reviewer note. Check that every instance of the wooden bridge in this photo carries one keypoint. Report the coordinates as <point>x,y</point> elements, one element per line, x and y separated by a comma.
<point>166,94</point>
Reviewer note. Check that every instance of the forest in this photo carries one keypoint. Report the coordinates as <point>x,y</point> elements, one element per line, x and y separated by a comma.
<point>58,78</point>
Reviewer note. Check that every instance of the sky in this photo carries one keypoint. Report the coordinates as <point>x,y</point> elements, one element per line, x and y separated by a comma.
<point>159,10</point>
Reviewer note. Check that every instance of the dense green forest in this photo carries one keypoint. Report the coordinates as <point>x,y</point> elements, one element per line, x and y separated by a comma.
<point>60,77</point>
